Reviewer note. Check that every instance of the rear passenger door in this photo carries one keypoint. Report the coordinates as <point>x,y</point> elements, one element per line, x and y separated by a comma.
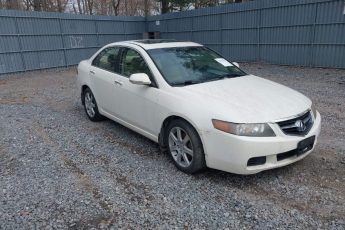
<point>103,75</point>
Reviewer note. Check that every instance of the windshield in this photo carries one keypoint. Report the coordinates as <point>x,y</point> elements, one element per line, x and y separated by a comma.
<point>192,65</point>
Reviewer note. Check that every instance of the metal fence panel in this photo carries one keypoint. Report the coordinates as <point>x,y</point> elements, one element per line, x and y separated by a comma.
<point>11,62</point>
<point>40,40</point>
<point>328,48</point>
<point>292,32</point>
<point>7,26</point>
<point>9,43</point>
<point>73,56</point>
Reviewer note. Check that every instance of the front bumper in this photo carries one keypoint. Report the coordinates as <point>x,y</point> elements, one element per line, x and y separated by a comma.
<point>231,153</point>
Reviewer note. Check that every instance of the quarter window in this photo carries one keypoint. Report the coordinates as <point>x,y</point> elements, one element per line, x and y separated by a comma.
<point>108,59</point>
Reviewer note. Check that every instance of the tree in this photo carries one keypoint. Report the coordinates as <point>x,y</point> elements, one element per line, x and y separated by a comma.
<point>146,8</point>
<point>179,5</point>
<point>60,7</point>
<point>111,7</point>
<point>89,6</point>
<point>36,4</point>
<point>165,6</point>
<point>205,3</point>
<point>116,4</point>
<point>79,7</point>
<point>12,4</point>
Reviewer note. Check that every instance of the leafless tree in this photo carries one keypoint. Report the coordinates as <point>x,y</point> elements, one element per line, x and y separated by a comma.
<point>10,4</point>
<point>111,7</point>
<point>116,4</point>
<point>89,4</point>
<point>79,7</point>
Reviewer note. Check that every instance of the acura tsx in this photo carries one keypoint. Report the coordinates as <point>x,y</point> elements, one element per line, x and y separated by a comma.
<point>201,108</point>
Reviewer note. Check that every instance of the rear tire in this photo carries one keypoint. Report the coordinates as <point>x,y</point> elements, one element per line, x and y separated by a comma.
<point>184,146</point>
<point>90,106</point>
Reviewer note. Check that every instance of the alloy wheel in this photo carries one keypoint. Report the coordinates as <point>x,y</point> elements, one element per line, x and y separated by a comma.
<point>181,147</point>
<point>90,104</point>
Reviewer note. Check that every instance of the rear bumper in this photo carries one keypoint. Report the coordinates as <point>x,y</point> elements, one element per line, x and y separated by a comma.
<point>231,153</point>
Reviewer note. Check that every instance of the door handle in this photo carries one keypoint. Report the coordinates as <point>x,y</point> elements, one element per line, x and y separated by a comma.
<point>118,82</point>
<point>92,72</point>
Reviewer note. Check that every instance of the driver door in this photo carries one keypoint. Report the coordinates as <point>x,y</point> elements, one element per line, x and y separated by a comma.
<point>137,103</point>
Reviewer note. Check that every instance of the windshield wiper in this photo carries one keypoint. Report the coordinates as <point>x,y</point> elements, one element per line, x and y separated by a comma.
<point>220,77</point>
<point>232,75</point>
<point>190,82</point>
<point>214,78</point>
<point>184,83</point>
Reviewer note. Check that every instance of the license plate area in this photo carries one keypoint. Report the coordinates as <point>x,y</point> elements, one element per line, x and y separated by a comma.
<point>305,145</point>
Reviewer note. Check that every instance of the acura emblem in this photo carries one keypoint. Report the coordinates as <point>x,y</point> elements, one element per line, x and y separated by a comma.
<point>300,125</point>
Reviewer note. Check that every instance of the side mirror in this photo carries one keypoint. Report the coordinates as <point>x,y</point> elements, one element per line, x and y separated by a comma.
<point>236,64</point>
<point>140,79</point>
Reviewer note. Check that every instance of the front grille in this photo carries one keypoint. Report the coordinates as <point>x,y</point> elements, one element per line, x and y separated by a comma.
<point>300,125</point>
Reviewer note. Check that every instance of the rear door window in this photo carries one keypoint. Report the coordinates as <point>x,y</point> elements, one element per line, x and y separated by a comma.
<point>108,59</point>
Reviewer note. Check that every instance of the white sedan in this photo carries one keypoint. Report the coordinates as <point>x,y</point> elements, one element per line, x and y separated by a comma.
<point>201,109</point>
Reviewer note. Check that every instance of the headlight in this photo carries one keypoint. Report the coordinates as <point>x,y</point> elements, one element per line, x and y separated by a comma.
<point>252,130</point>
<point>313,109</point>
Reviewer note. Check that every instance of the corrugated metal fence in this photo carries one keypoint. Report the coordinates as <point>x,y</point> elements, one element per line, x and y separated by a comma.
<point>292,32</point>
<point>38,40</point>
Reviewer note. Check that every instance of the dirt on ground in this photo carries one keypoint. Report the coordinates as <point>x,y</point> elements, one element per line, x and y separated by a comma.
<point>60,170</point>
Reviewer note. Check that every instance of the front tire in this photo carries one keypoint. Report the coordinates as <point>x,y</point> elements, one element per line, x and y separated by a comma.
<point>185,147</point>
<point>90,106</point>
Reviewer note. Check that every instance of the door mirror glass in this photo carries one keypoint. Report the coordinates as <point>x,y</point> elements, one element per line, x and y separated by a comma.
<point>140,79</point>
<point>236,64</point>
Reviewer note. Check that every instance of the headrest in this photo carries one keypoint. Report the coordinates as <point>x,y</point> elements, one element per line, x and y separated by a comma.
<point>111,58</point>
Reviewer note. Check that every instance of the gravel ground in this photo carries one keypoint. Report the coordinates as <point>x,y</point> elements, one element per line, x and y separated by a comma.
<point>59,170</point>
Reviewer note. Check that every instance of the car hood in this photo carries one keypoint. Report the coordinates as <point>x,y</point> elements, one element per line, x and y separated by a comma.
<point>247,99</point>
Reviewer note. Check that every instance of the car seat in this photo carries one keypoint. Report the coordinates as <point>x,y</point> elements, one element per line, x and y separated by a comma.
<point>112,61</point>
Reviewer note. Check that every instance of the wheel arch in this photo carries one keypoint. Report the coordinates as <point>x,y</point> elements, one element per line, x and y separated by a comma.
<point>83,88</point>
<point>169,119</point>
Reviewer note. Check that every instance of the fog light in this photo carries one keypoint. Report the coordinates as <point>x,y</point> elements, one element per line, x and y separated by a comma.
<point>254,161</point>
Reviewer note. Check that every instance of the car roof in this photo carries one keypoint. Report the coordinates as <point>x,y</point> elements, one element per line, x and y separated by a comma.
<point>158,43</point>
